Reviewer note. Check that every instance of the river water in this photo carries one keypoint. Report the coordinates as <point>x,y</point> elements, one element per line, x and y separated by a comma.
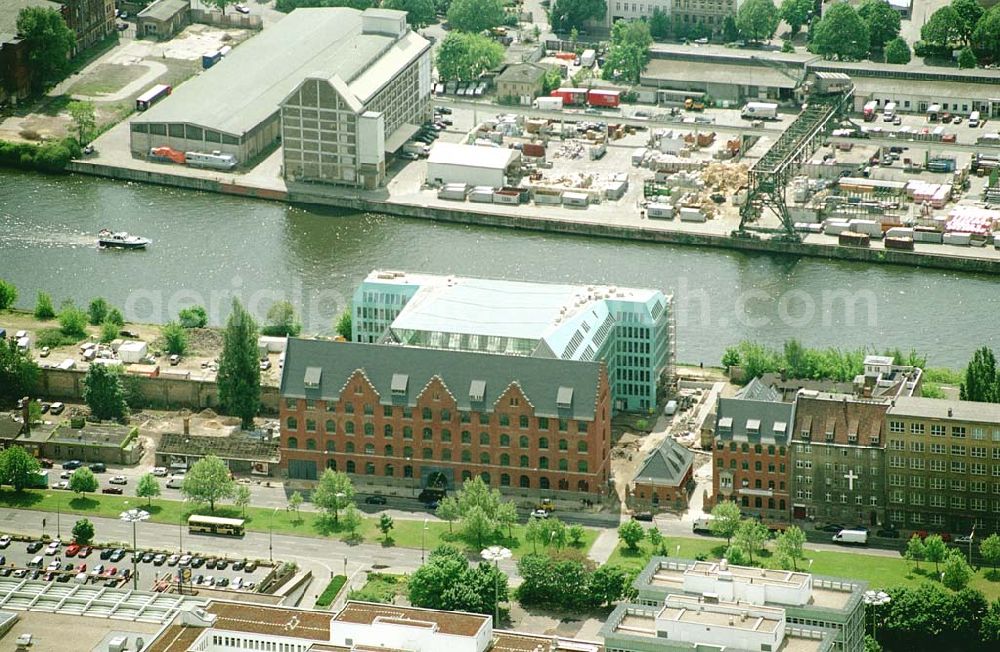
<point>208,248</point>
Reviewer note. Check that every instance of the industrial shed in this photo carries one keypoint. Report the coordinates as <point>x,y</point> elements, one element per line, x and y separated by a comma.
<point>471,164</point>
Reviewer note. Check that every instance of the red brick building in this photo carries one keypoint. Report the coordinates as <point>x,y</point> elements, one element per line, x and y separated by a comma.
<point>436,417</point>
<point>665,480</point>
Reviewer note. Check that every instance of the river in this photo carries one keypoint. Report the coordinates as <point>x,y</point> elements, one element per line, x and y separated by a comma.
<point>208,248</point>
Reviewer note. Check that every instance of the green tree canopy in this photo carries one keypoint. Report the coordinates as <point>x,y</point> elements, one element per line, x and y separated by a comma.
<point>628,52</point>
<point>897,51</point>
<point>631,533</point>
<point>385,525</point>
<point>72,320</point>
<point>43,307</point>
<point>796,13</point>
<point>419,13</point>
<point>970,11</point>
<point>726,519</point>
<point>989,548</point>
<point>84,120</point>
<point>566,15</point>
<point>174,338</point>
<point>659,24</point>
<point>208,481</point>
<point>343,325</point>
<point>981,382</point>
<point>757,19</point>
<point>915,550</point>
<point>944,27</point>
<point>18,467</point>
<point>282,320</point>
<point>751,536</point>
<point>464,57</point>
<point>239,370</point>
<point>935,550</point>
<point>475,16</point>
<point>882,21</point>
<point>83,532</point>
<point>241,498</point>
<point>109,331</point>
<point>957,572</point>
<point>83,481</point>
<point>986,35</point>
<point>930,617</point>
<point>48,42</point>
<point>607,584</point>
<point>841,33</point>
<point>333,493</point>
<point>18,372</point>
<point>8,294</point>
<point>104,393</point>
<point>479,510</point>
<point>147,487</point>
<point>193,317</point>
<point>789,545</point>
<point>967,58</point>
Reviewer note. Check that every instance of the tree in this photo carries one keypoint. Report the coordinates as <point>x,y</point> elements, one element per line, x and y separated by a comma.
<point>445,567</point>
<point>475,16</point>
<point>841,33</point>
<point>83,481</point>
<point>935,550</point>
<point>565,582</point>
<point>655,538</point>
<point>193,317</point>
<point>148,487</point>
<point>241,498</point>
<point>507,516</point>
<point>576,534</point>
<point>897,51</point>
<point>479,508</point>
<point>343,325</point>
<point>461,57</point>
<point>930,617</point>
<point>944,27</point>
<point>282,320</point>
<point>553,532</point>
<point>730,32</point>
<point>419,13</point>
<point>789,545</point>
<point>115,317</point>
<point>725,520</point>
<point>970,11</point>
<point>567,15</point>
<point>989,628</point>
<point>534,533</point>
<point>17,467</point>
<point>957,571</point>
<point>757,19</point>
<point>989,548</point>
<point>97,311</point>
<point>48,42</point>
<point>447,510</point>
<point>628,52</point>
<point>351,520</point>
<point>334,492</point>
<point>174,338</point>
<point>871,645</point>
<point>43,307</point>
<point>915,550</point>
<point>18,372</point>
<point>295,502</point>
<point>8,294</point>
<point>986,35</point>
<point>385,526</point>
<point>72,321</point>
<point>477,525</point>
<point>84,120</point>
<point>607,584</point>
<point>104,394</point>
<point>239,370</point>
<point>208,481</point>
<point>981,380</point>
<point>109,332</point>
<point>83,532</point>
<point>882,21</point>
<point>659,24</point>
<point>796,13</point>
<point>967,58</point>
<point>631,533</point>
<point>751,536</point>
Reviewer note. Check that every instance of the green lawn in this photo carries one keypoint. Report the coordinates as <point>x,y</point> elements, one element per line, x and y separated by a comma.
<point>380,587</point>
<point>878,571</point>
<point>107,78</point>
<point>405,533</point>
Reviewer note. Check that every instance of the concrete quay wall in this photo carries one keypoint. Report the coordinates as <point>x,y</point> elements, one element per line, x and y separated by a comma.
<point>473,214</point>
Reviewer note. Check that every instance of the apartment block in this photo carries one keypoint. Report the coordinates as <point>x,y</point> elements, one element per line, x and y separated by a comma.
<point>91,20</point>
<point>777,603</point>
<point>416,417</point>
<point>630,330</point>
<point>943,465</point>
<point>750,454</point>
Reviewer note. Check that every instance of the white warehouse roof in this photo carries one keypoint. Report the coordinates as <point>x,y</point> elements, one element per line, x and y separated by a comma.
<point>473,156</point>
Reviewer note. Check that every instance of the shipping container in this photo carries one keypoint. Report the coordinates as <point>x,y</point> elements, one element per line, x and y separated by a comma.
<point>927,234</point>
<point>533,150</point>
<point>899,232</point>
<point>905,244</point>
<point>868,227</point>
<point>760,111</point>
<point>481,195</point>
<point>571,96</point>
<point>689,214</point>
<point>549,103</point>
<point>960,239</point>
<point>547,197</point>
<point>660,211</point>
<point>852,239</point>
<point>603,98</point>
<point>166,155</point>
<point>869,111</point>
<point>575,199</point>
<point>453,191</point>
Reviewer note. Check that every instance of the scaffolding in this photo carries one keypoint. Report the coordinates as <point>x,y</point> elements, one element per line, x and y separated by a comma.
<point>767,180</point>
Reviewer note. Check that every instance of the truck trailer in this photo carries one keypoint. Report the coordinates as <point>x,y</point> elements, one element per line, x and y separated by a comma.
<point>760,111</point>
<point>605,98</point>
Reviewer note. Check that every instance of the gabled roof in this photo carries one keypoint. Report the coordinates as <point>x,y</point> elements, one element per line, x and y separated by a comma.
<point>841,416</point>
<point>544,381</point>
<point>164,9</point>
<point>667,465</point>
<point>528,73</point>
<point>756,390</point>
<point>755,414</point>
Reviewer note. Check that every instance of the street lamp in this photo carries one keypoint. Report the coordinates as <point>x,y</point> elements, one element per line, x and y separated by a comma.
<point>270,536</point>
<point>495,554</point>
<point>133,516</point>
<point>422,532</point>
<point>875,599</point>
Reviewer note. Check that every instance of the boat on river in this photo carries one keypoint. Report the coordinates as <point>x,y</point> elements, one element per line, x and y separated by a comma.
<point>121,240</point>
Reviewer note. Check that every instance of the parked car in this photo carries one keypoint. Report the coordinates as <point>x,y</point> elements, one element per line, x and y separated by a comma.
<point>539,513</point>
<point>106,553</point>
<point>265,365</point>
<point>148,558</point>
<point>221,564</point>
<point>45,462</point>
<point>185,560</point>
<point>117,555</point>
<point>375,500</point>
<point>160,471</point>
<point>5,571</point>
<point>159,559</point>
<point>85,552</point>
<point>57,408</point>
<point>112,490</point>
<point>53,547</point>
<point>173,559</point>
<point>70,465</point>
<point>238,565</point>
<point>5,540</point>
<point>35,546</point>
<point>98,467</point>
<point>243,9</point>
<point>643,516</point>
<point>72,549</point>
<point>250,566</point>
<point>118,479</point>
<point>210,564</point>
<point>197,562</point>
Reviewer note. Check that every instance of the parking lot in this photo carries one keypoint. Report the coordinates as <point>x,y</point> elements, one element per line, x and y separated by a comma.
<point>112,567</point>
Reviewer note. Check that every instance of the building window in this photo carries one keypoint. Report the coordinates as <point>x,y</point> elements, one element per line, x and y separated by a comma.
<point>291,403</point>
<point>524,462</point>
<point>387,430</point>
<point>504,459</point>
<point>543,462</point>
<point>388,450</point>
<point>349,407</point>
<point>504,420</point>
<point>543,443</point>
<point>581,447</point>
<point>543,424</point>
<point>369,409</point>
<point>349,427</point>
<point>484,439</point>
<point>523,421</point>
<point>445,415</point>
<point>428,453</point>
<point>505,441</point>
<point>351,466</point>
<point>331,447</point>
<point>369,429</point>
<point>484,458</point>
<point>522,442</point>
<point>292,423</point>
<point>293,442</point>
<point>310,444</point>
<point>369,449</point>
<point>427,434</point>
<point>330,427</point>
<point>446,455</point>
<point>581,466</point>
<point>387,411</point>
<point>504,480</point>
<point>466,437</point>
<point>426,414</point>
<point>446,435</point>
<point>563,445</point>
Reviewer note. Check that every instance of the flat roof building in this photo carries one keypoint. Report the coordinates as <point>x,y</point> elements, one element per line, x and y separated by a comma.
<point>307,81</point>
<point>471,164</point>
<point>396,416</point>
<point>807,600</point>
<point>629,329</point>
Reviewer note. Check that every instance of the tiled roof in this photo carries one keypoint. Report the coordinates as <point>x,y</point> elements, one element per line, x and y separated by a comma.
<point>667,465</point>
<point>841,415</point>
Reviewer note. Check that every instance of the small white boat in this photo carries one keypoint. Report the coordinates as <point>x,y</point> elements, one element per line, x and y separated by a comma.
<point>121,240</point>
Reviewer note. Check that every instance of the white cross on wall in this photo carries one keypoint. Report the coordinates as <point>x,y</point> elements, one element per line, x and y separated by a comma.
<point>851,478</point>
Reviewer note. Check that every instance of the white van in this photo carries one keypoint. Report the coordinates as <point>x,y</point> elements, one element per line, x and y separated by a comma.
<point>703,524</point>
<point>175,482</point>
<point>859,537</point>
<point>37,562</point>
<point>974,119</point>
